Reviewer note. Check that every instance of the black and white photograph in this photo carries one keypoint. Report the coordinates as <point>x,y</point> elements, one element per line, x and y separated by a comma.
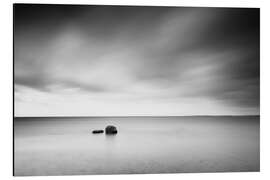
<point>117,89</point>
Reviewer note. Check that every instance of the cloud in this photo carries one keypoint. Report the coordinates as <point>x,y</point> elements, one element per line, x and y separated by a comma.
<point>117,54</point>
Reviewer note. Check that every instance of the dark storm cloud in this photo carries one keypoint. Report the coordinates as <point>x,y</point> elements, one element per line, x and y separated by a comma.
<point>180,52</point>
<point>232,31</point>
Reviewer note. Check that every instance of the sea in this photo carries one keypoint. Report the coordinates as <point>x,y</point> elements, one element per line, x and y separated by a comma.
<point>45,146</point>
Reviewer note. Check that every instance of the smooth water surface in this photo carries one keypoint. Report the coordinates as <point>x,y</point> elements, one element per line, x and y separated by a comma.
<point>66,146</point>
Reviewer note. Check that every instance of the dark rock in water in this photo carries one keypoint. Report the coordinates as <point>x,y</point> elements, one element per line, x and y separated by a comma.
<point>97,131</point>
<point>111,130</point>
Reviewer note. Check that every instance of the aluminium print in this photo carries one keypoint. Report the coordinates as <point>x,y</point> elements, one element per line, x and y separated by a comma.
<point>102,89</point>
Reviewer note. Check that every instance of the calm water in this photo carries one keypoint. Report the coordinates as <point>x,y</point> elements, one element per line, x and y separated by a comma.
<point>66,146</point>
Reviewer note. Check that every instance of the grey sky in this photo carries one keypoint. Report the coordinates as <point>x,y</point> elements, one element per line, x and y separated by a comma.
<point>117,60</point>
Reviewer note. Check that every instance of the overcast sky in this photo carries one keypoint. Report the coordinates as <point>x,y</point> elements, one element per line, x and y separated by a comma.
<point>119,61</point>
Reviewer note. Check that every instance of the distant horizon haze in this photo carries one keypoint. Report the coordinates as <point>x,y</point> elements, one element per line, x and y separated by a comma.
<point>136,116</point>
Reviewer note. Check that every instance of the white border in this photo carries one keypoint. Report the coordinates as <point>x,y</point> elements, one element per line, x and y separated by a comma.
<point>6,87</point>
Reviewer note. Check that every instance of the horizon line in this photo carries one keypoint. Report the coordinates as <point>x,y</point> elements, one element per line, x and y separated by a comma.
<point>131,116</point>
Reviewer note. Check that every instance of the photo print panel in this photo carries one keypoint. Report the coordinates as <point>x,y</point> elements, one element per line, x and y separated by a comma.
<point>102,89</point>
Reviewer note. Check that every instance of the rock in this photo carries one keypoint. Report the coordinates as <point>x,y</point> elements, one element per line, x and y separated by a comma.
<point>97,131</point>
<point>111,130</point>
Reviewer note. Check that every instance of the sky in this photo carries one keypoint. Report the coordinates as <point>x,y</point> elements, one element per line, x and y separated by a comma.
<point>135,61</point>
